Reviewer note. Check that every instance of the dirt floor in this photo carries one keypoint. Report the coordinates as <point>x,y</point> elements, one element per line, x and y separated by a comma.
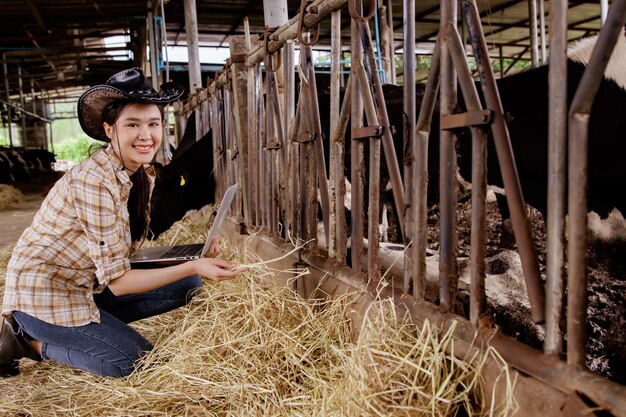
<point>507,301</point>
<point>17,217</point>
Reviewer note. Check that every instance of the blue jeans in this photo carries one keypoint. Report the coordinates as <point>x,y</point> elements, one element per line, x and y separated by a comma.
<point>111,347</point>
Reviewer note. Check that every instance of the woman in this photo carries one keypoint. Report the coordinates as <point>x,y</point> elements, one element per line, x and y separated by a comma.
<point>70,291</point>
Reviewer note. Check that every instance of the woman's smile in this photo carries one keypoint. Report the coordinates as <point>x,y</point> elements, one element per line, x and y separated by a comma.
<point>137,134</point>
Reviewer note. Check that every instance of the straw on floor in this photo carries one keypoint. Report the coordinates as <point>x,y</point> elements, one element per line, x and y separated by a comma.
<point>9,196</point>
<point>249,348</point>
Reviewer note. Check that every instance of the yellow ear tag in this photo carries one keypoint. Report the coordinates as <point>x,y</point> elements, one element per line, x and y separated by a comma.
<point>182,180</point>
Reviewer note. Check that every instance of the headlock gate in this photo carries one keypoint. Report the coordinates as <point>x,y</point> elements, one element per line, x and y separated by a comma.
<point>268,137</point>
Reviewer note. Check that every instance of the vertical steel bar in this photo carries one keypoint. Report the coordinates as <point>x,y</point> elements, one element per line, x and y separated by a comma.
<point>532,22</point>
<point>557,151</point>
<point>420,172</point>
<point>254,110</point>
<point>294,208</point>
<point>320,159</point>
<point>577,176</point>
<point>8,96</point>
<point>386,53</point>
<point>521,226</point>
<point>542,31</point>
<point>336,165</point>
<point>479,179</point>
<point>338,142</point>
<point>410,190</point>
<point>193,52</point>
<point>240,89</point>
<point>373,214</point>
<point>22,114</point>
<point>357,166</point>
<point>289,76</point>
<point>448,275</point>
<point>278,146</point>
<point>383,117</point>
<point>392,46</point>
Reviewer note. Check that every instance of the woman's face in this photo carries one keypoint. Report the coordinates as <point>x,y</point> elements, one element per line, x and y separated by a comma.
<point>136,135</point>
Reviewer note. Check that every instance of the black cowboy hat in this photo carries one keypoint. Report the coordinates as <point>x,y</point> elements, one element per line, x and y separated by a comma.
<point>130,84</point>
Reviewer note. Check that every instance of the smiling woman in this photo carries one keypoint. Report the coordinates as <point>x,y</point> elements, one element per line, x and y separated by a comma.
<point>69,291</point>
<point>135,130</point>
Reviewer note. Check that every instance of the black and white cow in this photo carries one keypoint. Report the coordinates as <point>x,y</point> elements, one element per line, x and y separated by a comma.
<point>525,99</point>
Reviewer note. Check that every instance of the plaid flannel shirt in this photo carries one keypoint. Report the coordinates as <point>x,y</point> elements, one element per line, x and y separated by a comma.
<point>79,241</point>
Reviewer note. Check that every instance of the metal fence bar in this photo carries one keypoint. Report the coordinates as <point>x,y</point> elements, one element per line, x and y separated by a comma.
<point>577,176</point>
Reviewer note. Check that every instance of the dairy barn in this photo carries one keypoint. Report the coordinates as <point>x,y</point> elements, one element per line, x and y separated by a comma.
<point>428,212</point>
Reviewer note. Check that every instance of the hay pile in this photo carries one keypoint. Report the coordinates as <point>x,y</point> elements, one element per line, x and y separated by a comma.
<point>9,196</point>
<point>248,348</point>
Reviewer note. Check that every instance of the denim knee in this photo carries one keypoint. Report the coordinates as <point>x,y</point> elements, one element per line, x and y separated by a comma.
<point>191,286</point>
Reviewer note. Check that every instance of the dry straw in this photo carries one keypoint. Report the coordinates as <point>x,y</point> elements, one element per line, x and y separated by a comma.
<point>249,348</point>
<point>9,196</point>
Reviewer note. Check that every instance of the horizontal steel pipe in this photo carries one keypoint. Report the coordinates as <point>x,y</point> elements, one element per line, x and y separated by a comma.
<point>290,30</point>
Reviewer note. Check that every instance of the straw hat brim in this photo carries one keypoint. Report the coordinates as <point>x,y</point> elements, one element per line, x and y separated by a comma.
<point>93,101</point>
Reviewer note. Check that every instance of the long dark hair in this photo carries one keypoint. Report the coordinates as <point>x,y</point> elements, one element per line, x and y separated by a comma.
<point>139,199</point>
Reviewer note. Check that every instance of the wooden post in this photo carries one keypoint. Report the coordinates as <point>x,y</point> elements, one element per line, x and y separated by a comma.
<point>239,76</point>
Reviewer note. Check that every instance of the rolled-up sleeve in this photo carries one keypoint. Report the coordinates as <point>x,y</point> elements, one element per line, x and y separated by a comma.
<point>102,215</point>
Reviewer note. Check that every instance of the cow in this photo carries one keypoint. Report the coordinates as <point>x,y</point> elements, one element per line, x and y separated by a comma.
<point>186,183</point>
<point>524,98</point>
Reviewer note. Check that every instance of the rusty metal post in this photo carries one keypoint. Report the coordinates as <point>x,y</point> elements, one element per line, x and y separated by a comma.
<point>479,178</point>
<point>392,46</point>
<point>289,177</point>
<point>386,53</point>
<point>336,168</point>
<point>410,187</point>
<point>338,143</point>
<point>318,146</point>
<point>373,233</point>
<point>387,138</point>
<point>417,250</point>
<point>254,112</point>
<point>357,168</point>
<point>228,137</point>
<point>534,40</point>
<point>239,75</point>
<point>22,106</point>
<point>195,74</point>
<point>521,226</point>
<point>295,208</point>
<point>557,151</point>
<point>577,175</point>
<point>8,97</point>
<point>448,274</point>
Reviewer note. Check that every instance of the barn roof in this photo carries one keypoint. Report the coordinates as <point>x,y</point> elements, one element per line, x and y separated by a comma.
<point>65,44</point>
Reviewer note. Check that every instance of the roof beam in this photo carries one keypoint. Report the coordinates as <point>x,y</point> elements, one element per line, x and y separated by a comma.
<point>35,11</point>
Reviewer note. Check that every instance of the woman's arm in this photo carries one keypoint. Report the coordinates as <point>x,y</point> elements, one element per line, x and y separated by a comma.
<point>135,281</point>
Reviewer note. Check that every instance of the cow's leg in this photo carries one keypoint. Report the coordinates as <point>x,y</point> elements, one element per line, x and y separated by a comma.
<point>507,237</point>
<point>384,223</point>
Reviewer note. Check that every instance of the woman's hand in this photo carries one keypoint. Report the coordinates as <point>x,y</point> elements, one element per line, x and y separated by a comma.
<point>214,248</point>
<point>217,269</point>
